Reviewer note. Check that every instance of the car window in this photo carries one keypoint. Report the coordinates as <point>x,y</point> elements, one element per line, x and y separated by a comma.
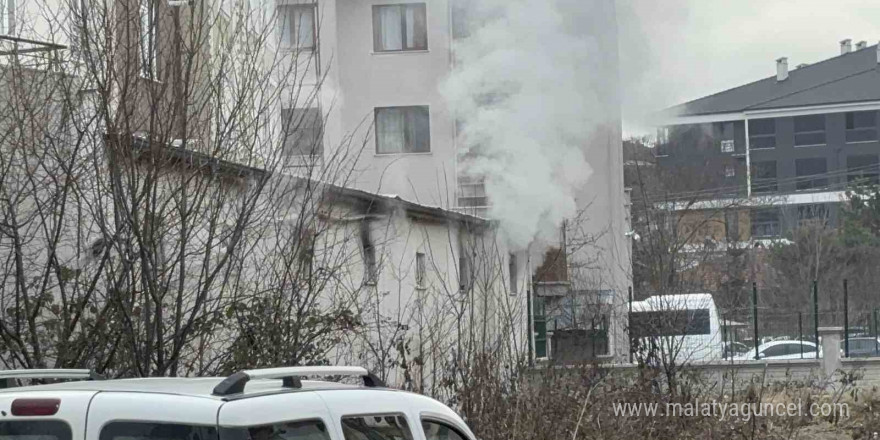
<point>156,431</point>
<point>809,348</point>
<point>376,427</point>
<point>440,431</point>
<point>293,430</point>
<point>776,350</point>
<point>36,430</point>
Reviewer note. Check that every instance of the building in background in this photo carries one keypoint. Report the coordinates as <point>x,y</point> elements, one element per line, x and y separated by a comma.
<point>781,151</point>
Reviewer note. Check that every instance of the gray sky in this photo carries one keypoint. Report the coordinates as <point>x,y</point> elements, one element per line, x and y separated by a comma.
<point>673,51</point>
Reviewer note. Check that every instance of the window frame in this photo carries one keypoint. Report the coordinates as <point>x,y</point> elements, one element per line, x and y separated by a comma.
<point>824,131</point>
<point>421,270</point>
<point>429,418</point>
<point>851,116</point>
<point>62,424</point>
<point>316,147</point>
<point>772,184</point>
<point>221,430</point>
<point>809,182</point>
<point>406,142</point>
<point>762,135</point>
<point>377,27</point>
<point>378,414</point>
<point>777,229</point>
<point>150,10</point>
<point>294,30</point>
<point>7,17</point>
<point>110,423</point>
<point>861,173</point>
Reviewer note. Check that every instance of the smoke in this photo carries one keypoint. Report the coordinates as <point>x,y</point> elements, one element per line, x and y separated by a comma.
<point>523,90</point>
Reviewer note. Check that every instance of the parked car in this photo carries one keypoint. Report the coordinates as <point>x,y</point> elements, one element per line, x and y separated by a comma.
<point>266,404</point>
<point>787,349</point>
<point>862,347</point>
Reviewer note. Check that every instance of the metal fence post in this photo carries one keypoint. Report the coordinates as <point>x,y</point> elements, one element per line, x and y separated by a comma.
<point>629,324</point>
<point>845,319</point>
<point>801,332</point>
<point>816,314</point>
<point>755,315</point>
<point>876,343</point>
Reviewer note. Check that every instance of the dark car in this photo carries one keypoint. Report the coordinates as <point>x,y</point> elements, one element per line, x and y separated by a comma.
<point>862,347</point>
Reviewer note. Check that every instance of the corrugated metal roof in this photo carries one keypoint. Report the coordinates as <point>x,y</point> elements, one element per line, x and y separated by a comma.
<point>851,77</point>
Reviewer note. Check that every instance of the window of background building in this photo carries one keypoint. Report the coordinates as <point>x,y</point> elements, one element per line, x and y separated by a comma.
<point>764,176</point>
<point>297,26</point>
<point>368,249</point>
<point>863,168</point>
<point>148,39</point>
<point>403,130</point>
<point>400,27</point>
<point>724,134</point>
<point>765,223</point>
<point>811,173</point>
<point>812,215</point>
<point>303,132</point>
<point>861,126</point>
<point>762,134</point>
<point>809,130</point>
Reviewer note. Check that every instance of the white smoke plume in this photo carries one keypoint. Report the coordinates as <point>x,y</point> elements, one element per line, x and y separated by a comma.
<point>523,91</point>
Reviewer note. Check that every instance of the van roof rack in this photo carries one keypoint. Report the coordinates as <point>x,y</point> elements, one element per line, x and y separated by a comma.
<point>291,377</point>
<point>9,378</point>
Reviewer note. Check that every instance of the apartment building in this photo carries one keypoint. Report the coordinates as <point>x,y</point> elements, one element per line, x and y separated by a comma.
<point>781,151</point>
<point>364,76</point>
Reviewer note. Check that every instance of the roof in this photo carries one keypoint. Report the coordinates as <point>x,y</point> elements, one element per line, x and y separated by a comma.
<point>195,387</point>
<point>848,78</point>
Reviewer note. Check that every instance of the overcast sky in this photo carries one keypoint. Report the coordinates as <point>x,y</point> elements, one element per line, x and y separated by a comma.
<point>673,51</point>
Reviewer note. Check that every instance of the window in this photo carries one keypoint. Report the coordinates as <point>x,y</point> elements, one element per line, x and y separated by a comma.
<point>812,215</point>
<point>148,39</point>
<point>809,130</point>
<point>465,276</point>
<point>670,323</point>
<point>376,427</point>
<point>7,17</point>
<point>861,126</point>
<point>811,173</point>
<point>421,270</point>
<point>762,134</point>
<point>156,431</point>
<point>729,171</point>
<point>299,430</point>
<point>400,27</point>
<point>36,430</point>
<point>297,26</point>
<point>764,177</point>
<point>731,225</point>
<point>512,272</point>
<point>863,169</point>
<point>303,132</point>
<point>440,431</point>
<point>765,223</point>
<point>776,350</point>
<point>369,253</point>
<point>403,130</point>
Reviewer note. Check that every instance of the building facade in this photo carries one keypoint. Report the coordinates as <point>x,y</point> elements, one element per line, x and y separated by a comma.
<point>782,150</point>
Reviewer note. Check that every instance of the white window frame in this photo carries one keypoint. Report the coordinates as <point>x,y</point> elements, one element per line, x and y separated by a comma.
<point>7,17</point>
<point>404,25</point>
<point>148,39</point>
<point>293,28</point>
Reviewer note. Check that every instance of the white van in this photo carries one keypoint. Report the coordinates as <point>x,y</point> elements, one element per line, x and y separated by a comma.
<point>685,326</point>
<point>266,404</point>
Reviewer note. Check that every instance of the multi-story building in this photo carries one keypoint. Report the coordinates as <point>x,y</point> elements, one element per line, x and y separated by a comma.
<point>364,77</point>
<point>781,150</point>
